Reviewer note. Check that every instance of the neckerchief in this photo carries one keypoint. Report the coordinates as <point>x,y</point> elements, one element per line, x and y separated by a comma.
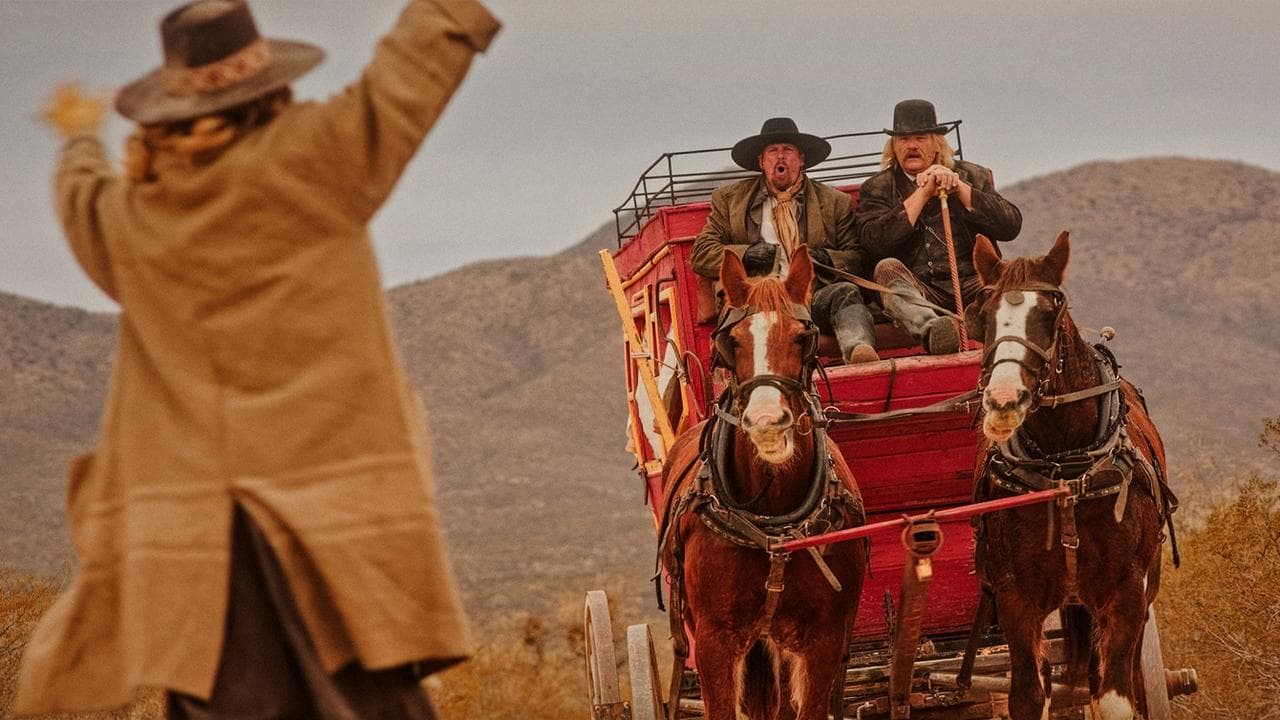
<point>784,215</point>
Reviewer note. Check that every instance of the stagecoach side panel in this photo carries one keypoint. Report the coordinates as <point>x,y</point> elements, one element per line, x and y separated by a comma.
<point>660,290</point>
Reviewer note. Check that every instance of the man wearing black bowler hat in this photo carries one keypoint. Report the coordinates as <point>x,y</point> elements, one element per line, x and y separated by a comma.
<point>782,208</point>
<point>899,221</point>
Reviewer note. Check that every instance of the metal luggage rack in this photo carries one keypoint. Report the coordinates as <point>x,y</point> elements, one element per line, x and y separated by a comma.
<point>676,178</point>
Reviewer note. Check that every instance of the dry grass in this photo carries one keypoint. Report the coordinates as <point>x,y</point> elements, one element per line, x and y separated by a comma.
<point>532,667</point>
<point>22,599</point>
<point>1220,613</point>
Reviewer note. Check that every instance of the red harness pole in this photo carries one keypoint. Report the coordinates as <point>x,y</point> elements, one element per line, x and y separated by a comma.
<point>963,511</point>
<point>955,268</point>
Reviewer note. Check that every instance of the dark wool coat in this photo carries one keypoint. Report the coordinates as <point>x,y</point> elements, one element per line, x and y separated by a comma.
<point>883,231</point>
<point>255,366</point>
<point>825,220</point>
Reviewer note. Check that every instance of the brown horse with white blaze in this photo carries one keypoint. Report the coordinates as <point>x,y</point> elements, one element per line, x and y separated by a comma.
<point>770,629</point>
<point>1056,413</point>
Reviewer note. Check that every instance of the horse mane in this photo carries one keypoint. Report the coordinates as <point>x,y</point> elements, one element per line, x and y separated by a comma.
<point>1016,273</point>
<point>768,294</point>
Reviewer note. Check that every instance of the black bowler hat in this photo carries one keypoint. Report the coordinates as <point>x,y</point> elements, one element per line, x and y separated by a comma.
<point>780,130</point>
<point>214,59</point>
<point>916,117</point>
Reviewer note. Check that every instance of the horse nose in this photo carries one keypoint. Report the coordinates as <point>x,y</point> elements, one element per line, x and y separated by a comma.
<point>1007,398</point>
<point>772,418</point>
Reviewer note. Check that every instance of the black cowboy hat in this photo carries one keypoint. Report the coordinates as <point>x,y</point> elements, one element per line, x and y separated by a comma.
<point>916,117</point>
<point>746,153</point>
<point>214,59</point>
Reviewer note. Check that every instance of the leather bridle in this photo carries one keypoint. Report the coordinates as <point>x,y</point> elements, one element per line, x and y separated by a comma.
<point>1042,371</point>
<point>724,355</point>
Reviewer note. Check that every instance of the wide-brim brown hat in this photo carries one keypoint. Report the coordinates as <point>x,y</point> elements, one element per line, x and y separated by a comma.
<point>746,153</point>
<point>916,117</point>
<point>214,59</point>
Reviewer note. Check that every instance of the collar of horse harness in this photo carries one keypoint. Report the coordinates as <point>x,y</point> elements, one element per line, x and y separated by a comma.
<point>1044,371</point>
<point>723,356</point>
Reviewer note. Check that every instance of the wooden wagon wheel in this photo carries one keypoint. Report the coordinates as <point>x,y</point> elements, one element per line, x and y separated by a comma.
<point>602,668</point>
<point>642,662</point>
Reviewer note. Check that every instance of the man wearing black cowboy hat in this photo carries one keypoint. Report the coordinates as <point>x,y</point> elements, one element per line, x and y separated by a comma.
<point>899,221</point>
<point>782,208</point>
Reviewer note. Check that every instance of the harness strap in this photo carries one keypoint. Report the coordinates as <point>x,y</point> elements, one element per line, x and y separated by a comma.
<point>773,586</point>
<point>1070,543</point>
<point>679,648</point>
<point>1053,401</point>
<point>962,402</point>
<point>826,569</point>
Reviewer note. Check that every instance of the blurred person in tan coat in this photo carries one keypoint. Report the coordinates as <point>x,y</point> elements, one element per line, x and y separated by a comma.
<point>255,529</point>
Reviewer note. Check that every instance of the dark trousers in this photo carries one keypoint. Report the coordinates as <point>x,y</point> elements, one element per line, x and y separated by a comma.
<point>269,668</point>
<point>829,300</point>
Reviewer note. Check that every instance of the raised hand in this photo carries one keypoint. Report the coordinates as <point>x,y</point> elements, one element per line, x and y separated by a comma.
<point>70,112</point>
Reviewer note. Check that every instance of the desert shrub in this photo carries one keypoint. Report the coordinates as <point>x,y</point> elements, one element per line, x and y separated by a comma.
<point>1220,613</point>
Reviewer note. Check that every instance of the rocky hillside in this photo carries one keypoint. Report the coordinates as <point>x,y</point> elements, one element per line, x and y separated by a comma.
<point>519,361</point>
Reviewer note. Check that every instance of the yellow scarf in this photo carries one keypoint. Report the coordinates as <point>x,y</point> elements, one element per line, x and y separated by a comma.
<point>784,215</point>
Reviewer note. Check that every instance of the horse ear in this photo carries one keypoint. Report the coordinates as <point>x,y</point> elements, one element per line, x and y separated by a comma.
<point>1055,263</point>
<point>799,276</point>
<point>986,261</point>
<point>733,276</point>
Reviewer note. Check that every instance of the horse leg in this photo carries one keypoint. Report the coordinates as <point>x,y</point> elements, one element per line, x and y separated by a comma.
<point>721,660</point>
<point>810,670</point>
<point>1118,647</point>
<point>1023,630</point>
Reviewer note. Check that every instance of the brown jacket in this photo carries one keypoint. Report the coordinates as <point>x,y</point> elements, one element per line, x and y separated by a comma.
<point>826,222</point>
<point>255,366</point>
<point>884,232</point>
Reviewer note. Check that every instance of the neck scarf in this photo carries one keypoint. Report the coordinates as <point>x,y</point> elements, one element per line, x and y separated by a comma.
<point>784,215</point>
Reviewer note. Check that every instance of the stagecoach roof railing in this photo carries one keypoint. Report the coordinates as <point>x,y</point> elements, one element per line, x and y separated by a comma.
<point>685,176</point>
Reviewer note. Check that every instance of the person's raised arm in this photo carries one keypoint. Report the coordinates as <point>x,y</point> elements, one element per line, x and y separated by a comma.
<point>361,140</point>
<point>84,178</point>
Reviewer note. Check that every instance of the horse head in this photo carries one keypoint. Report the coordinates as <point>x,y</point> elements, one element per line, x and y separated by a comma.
<point>768,342</point>
<point>1020,321</point>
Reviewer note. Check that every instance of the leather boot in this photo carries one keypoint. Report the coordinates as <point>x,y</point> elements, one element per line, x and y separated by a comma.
<point>941,336</point>
<point>913,318</point>
<point>855,332</point>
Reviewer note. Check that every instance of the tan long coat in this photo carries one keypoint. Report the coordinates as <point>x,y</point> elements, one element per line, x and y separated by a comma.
<point>255,366</point>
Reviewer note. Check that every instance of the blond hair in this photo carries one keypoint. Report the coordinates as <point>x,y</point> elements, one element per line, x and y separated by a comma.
<point>200,139</point>
<point>946,156</point>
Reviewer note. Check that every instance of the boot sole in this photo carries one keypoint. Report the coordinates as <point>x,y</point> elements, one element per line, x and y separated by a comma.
<point>863,354</point>
<point>943,337</point>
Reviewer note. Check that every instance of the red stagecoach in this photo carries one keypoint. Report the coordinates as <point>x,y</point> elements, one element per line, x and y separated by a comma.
<point>904,424</point>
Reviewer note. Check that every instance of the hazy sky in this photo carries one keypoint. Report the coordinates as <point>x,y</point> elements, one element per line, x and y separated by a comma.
<point>575,98</point>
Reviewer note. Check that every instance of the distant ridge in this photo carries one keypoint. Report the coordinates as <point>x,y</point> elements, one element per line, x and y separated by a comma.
<point>520,364</point>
